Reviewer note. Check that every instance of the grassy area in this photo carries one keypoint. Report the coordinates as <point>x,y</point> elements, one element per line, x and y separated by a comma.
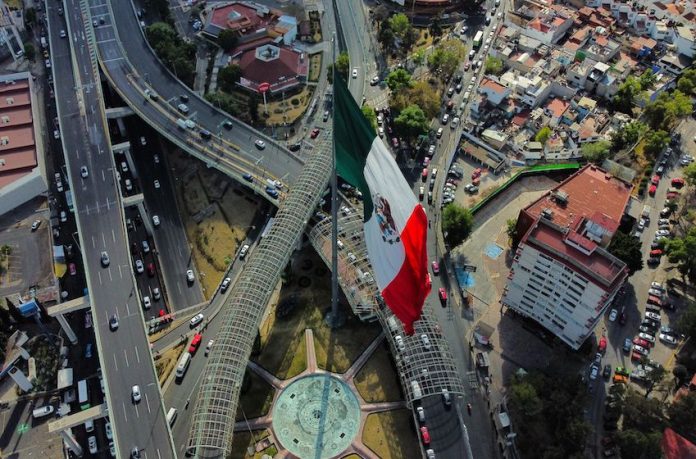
<point>377,380</point>
<point>242,440</point>
<point>390,434</point>
<point>216,216</point>
<point>287,110</point>
<point>167,362</point>
<point>314,67</point>
<point>282,338</point>
<point>257,399</point>
<point>14,4</point>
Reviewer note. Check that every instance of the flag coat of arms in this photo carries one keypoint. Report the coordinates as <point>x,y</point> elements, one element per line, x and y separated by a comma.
<point>395,224</point>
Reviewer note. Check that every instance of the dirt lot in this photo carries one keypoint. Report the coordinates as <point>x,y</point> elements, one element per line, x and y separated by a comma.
<point>390,434</point>
<point>314,67</point>
<point>217,216</point>
<point>167,362</point>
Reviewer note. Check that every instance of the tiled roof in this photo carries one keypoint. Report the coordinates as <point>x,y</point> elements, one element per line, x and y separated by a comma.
<point>557,107</point>
<point>287,65</point>
<point>17,142</point>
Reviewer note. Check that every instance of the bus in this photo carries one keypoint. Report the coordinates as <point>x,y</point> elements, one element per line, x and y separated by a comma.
<point>83,394</point>
<point>477,38</point>
<point>183,365</point>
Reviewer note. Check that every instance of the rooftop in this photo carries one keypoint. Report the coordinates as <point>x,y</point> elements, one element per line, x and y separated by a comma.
<point>17,141</point>
<point>286,65</point>
<point>241,16</point>
<point>557,107</point>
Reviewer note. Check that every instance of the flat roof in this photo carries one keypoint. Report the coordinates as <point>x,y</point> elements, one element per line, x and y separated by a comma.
<point>18,155</point>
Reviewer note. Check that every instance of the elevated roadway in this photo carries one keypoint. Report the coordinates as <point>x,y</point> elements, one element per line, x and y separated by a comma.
<point>124,356</point>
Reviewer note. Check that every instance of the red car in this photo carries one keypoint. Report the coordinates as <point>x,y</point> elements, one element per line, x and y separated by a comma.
<point>442,293</point>
<point>636,356</point>
<point>476,173</point>
<point>641,342</point>
<point>466,66</point>
<point>622,318</point>
<point>195,342</point>
<point>436,268</point>
<point>426,435</point>
<point>315,133</point>
<point>656,253</point>
<point>424,174</point>
<point>652,190</point>
<point>672,195</point>
<point>151,269</point>
<point>654,300</point>
<point>72,268</point>
<point>677,182</point>
<point>655,180</point>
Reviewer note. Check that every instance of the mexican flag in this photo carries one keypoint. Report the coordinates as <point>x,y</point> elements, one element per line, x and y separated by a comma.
<point>395,224</point>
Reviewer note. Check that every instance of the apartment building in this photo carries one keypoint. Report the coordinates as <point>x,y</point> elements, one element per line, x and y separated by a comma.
<point>562,275</point>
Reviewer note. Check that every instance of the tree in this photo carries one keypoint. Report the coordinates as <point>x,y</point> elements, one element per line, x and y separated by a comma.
<point>30,16</point>
<point>626,95</point>
<point>177,56</point>
<point>254,108</point>
<point>227,39</point>
<point>420,93</point>
<point>681,374</point>
<point>29,51</point>
<point>224,102</point>
<point>627,248</point>
<point>511,228</point>
<point>628,135</point>
<point>639,445</point>
<point>687,321</point>
<point>160,7</point>
<point>682,416</point>
<point>457,223</point>
<point>525,397</point>
<point>655,142</point>
<point>689,173</point>
<point>446,57</point>
<point>595,152</point>
<point>682,251</point>
<point>228,77</point>
<point>411,122</point>
<point>543,134</point>
<point>399,79</point>
<point>494,65</point>
<point>343,65</point>
<point>647,79</point>
<point>654,377</point>
<point>399,24</point>
<point>687,81</point>
<point>642,414</point>
<point>370,114</point>
<point>386,37</point>
<point>418,58</point>
<point>667,109</point>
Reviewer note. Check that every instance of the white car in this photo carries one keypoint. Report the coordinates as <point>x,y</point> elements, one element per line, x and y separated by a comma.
<point>243,251</point>
<point>426,341</point>
<point>189,275</point>
<point>109,433</point>
<point>640,349</point>
<point>668,339</point>
<point>594,372</point>
<point>156,158</point>
<point>143,142</point>
<point>156,293</point>
<point>355,72</point>
<point>92,443</point>
<point>139,267</point>
<point>653,316</point>
<point>155,220</point>
<point>657,286</point>
<point>146,302</point>
<point>613,314</point>
<point>399,342</point>
<point>135,394</point>
<point>63,34</point>
<point>655,292</point>
<point>662,232</point>
<point>84,173</point>
<point>647,337</point>
<point>260,144</point>
<point>225,284</point>
<point>157,184</point>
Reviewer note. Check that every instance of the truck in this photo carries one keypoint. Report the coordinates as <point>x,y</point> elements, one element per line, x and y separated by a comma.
<point>69,200</point>
<point>477,38</point>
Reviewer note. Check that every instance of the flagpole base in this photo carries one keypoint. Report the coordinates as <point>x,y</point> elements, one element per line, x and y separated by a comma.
<point>335,321</point>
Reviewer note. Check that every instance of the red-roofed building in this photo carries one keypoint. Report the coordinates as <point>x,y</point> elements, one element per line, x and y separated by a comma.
<point>282,68</point>
<point>251,21</point>
<point>562,276</point>
<point>674,446</point>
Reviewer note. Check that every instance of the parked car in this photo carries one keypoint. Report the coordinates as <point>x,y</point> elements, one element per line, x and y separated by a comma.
<point>442,294</point>
<point>613,314</point>
<point>640,349</point>
<point>627,345</point>
<point>668,339</point>
<point>653,316</point>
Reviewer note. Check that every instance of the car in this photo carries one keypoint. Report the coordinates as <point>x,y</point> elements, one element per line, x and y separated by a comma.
<point>105,259</point>
<point>594,372</point>
<point>183,108</point>
<point>420,412</point>
<point>63,34</point>
<point>72,268</point>
<point>677,182</point>
<point>84,173</point>
<point>627,345</point>
<point>666,212</point>
<point>424,174</point>
<point>195,343</point>
<point>647,337</point>
<point>668,339</point>
<point>88,351</point>
<point>439,132</point>
<point>92,444</point>
<point>109,432</point>
<point>374,81</point>
<point>645,329</point>
<point>400,342</point>
<point>135,453</point>
<point>421,193</point>
<point>442,294</point>
<point>613,314</point>
<point>425,435</point>
<point>243,251</point>
<point>641,342</point>
<point>155,220</point>
<point>445,118</point>
<point>260,144</point>
<point>657,285</point>
<point>135,394</point>
<point>139,266</point>
<point>655,292</point>
<point>662,232</point>
<point>157,184</point>
<point>655,180</point>
<point>314,134</point>
<point>63,216</point>
<point>225,284</point>
<point>113,322</point>
<point>227,124</point>
<point>606,374</point>
<point>426,341</point>
<point>640,349</point>
<point>156,158</point>
<point>129,184</point>
<point>653,316</point>
<point>668,330</point>
<point>354,73</point>
<point>436,267</point>
<point>147,303</point>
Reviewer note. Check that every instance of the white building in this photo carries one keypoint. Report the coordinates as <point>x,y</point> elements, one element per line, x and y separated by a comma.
<point>562,276</point>
<point>685,40</point>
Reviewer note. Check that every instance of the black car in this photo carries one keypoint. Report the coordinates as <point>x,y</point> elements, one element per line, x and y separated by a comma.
<point>184,98</point>
<point>607,371</point>
<point>248,177</point>
<point>295,147</point>
<point>227,125</point>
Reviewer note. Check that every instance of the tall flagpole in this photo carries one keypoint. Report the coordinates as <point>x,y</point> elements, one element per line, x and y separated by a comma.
<point>334,320</point>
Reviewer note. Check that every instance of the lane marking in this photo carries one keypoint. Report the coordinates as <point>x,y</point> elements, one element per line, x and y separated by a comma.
<point>120,273</point>
<point>127,310</point>
<point>125,357</point>
<point>137,413</point>
<point>94,242</point>
<point>115,362</point>
<point>125,413</point>
<point>147,402</point>
<point>137,355</point>
<point>103,239</point>
<point>103,177</point>
<point>111,278</point>
<point>100,279</point>
<point>113,235</point>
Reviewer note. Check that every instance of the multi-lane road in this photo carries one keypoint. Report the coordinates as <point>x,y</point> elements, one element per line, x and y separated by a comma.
<point>124,355</point>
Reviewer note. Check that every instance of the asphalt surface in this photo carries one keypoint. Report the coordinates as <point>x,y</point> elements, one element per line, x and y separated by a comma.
<point>234,148</point>
<point>123,354</point>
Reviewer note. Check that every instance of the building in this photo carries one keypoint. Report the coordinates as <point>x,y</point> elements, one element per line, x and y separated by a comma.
<point>22,174</point>
<point>251,22</point>
<point>562,275</point>
<point>685,40</point>
<point>282,68</point>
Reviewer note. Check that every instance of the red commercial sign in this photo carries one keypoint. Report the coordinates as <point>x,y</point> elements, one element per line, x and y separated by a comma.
<point>263,87</point>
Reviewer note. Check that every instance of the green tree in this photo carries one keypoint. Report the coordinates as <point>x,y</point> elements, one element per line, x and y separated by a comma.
<point>687,321</point>
<point>494,65</point>
<point>30,16</point>
<point>446,57</point>
<point>682,251</point>
<point>228,77</point>
<point>420,93</point>
<point>626,95</point>
<point>642,414</point>
<point>543,134</point>
<point>161,9</point>
<point>418,57</point>
<point>525,397</point>
<point>399,24</point>
<point>29,51</point>
<point>689,173</point>
<point>653,378</point>
<point>595,152</point>
<point>647,79</point>
<point>628,135</point>
<point>177,56</point>
<point>655,142</point>
<point>227,39</point>
<point>398,80</point>
<point>511,230</point>
<point>371,116</point>
<point>457,223</point>
<point>681,374</point>
<point>386,37</point>
<point>682,416</point>
<point>411,122</point>
<point>343,65</point>
<point>627,248</point>
<point>687,81</point>
<point>667,109</point>
<point>636,444</point>
<point>224,102</point>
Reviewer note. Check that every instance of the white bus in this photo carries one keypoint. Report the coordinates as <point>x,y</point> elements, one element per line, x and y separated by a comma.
<point>183,365</point>
<point>83,394</point>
